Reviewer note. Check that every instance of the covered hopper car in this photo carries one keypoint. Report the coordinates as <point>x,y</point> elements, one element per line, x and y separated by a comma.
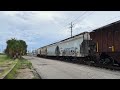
<point>74,47</point>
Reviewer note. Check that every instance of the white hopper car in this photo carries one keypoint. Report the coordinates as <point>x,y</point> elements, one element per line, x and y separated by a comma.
<point>76,46</point>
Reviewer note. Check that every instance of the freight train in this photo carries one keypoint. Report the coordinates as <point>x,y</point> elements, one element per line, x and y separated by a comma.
<point>100,46</point>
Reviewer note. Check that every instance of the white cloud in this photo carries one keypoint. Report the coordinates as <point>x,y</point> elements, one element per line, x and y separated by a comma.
<point>39,28</point>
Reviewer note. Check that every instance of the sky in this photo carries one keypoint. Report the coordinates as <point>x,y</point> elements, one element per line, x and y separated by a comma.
<point>40,28</point>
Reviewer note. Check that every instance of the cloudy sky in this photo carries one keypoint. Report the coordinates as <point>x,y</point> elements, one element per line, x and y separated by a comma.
<point>39,28</point>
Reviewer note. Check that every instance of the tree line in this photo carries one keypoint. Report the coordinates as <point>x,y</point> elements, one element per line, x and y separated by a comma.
<point>16,48</point>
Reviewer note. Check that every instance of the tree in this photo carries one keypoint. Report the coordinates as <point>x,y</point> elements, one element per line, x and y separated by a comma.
<point>16,48</point>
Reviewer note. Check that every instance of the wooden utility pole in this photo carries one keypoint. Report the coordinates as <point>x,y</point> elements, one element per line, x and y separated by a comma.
<point>71,28</point>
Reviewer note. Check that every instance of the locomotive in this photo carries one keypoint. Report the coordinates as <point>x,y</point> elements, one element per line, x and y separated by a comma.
<point>100,46</point>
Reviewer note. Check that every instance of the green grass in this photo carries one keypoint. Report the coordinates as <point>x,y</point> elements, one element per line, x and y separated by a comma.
<point>25,63</point>
<point>21,64</point>
<point>3,58</point>
<point>6,62</point>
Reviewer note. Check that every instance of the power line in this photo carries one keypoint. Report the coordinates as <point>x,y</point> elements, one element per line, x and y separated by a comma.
<point>85,16</point>
<point>77,19</point>
<point>106,22</point>
<point>71,21</point>
<point>112,19</point>
<point>64,20</point>
<point>80,16</point>
<point>71,27</point>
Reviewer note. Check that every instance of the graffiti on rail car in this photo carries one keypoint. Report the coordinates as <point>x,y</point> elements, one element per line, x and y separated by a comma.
<point>57,51</point>
<point>69,51</point>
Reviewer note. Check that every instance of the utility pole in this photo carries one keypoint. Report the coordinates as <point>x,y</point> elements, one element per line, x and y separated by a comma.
<point>71,28</point>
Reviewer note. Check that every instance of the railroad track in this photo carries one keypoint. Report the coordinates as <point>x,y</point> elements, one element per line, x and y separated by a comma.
<point>117,68</point>
<point>110,67</point>
<point>5,74</point>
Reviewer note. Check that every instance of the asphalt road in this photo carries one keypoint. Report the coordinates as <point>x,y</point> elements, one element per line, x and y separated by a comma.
<point>52,69</point>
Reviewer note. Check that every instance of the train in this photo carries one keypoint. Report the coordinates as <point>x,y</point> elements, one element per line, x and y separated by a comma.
<point>100,46</point>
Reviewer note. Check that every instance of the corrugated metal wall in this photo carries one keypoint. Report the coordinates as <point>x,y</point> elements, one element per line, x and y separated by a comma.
<point>108,38</point>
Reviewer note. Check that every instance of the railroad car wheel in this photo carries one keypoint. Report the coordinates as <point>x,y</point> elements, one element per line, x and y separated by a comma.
<point>106,61</point>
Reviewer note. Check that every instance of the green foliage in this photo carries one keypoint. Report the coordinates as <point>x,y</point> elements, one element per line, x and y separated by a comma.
<point>16,48</point>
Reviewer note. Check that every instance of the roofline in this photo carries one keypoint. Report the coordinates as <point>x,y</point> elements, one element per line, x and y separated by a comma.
<point>68,38</point>
<point>65,39</point>
<point>107,25</point>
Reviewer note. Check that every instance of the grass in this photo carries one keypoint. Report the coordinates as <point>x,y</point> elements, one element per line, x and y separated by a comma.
<point>3,58</point>
<point>13,73</point>
<point>6,63</point>
<point>21,64</point>
<point>25,63</point>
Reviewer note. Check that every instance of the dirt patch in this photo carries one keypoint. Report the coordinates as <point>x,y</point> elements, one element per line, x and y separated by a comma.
<point>25,74</point>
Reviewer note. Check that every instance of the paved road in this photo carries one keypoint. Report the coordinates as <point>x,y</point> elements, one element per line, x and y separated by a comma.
<point>51,69</point>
